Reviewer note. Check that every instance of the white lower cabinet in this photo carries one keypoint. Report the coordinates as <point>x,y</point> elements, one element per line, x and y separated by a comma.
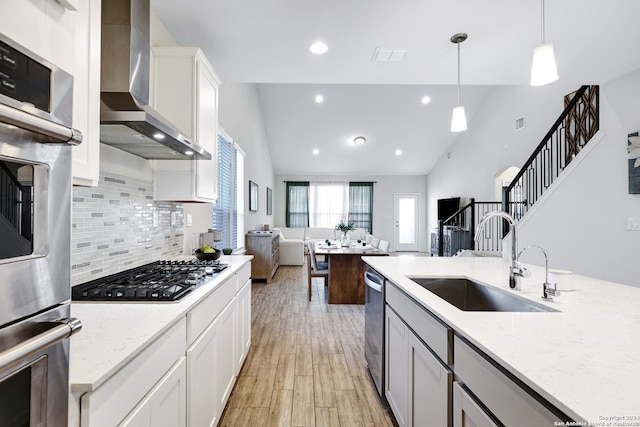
<point>211,370</point>
<point>466,412</point>
<point>225,355</point>
<point>164,406</point>
<point>508,400</point>
<point>418,385</point>
<point>429,387</point>
<point>151,383</point>
<point>243,322</point>
<point>202,408</point>
<point>185,377</point>
<point>397,366</point>
<point>215,358</point>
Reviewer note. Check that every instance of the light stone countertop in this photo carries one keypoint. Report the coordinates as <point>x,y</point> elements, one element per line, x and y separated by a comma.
<point>584,359</point>
<point>112,334</point>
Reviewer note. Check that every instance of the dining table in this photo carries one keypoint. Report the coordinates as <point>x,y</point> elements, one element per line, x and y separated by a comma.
<point>346,269</point>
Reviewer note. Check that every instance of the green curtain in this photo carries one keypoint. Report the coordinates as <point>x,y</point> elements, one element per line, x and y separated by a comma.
<point>361,205</point>
<point>297,204</point>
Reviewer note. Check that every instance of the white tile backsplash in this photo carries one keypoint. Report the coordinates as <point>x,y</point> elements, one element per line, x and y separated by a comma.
<point>118,225</point>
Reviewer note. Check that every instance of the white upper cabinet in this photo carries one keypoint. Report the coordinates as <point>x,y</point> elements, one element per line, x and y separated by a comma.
<point>67,34</point>
<point>86,94</point>
<point>184,89</point>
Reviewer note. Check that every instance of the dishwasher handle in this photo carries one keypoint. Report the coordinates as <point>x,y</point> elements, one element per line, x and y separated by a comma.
<point>370,281</point>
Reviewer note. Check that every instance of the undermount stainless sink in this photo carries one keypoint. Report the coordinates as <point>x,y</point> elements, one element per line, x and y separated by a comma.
<point>468,295</point>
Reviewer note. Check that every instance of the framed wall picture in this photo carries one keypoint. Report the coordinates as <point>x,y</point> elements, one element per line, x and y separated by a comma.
<point>269,201</point>
<point>253,196</point>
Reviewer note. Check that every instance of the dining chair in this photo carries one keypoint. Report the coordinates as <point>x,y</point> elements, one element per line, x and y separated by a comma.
<point>315,269</point>
<point>384,245</point>
<point>375,242</point>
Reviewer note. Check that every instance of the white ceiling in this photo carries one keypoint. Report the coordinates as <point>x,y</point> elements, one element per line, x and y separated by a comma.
<point>267,41</point>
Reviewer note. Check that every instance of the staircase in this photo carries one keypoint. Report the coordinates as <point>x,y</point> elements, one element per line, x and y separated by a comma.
<point>575,127</point>
<point>571,132</point>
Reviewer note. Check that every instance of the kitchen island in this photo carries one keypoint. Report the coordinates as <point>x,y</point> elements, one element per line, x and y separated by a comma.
<point>125,351</point>
<point>583,359</point>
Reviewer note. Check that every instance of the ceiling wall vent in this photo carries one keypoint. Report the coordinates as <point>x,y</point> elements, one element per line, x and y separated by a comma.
<point>388,55</point>
<point>520,123</point>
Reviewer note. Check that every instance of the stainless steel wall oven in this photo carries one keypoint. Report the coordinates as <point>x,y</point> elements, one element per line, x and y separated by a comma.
<point>35,234</point>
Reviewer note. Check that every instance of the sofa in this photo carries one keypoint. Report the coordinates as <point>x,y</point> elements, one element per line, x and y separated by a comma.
<point>293,241</point>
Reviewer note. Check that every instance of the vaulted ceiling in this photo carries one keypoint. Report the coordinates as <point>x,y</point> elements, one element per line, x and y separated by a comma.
<point>267,42</point>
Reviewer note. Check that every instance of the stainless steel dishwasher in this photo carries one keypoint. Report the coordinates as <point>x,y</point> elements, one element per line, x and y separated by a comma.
<point>374,327</point>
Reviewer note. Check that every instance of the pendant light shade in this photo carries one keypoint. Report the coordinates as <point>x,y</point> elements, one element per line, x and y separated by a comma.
<point>458,118</point>
<point>543,68</point>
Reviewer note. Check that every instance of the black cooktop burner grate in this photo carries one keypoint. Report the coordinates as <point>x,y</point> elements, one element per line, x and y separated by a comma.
<point>157,281</point>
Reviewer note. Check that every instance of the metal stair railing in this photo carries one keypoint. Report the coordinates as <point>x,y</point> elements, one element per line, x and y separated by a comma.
<point>573,129</point>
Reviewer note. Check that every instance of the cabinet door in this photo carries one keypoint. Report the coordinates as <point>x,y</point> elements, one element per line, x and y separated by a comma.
<point>225,355</point>
<point>164,406</point>
<point>168,400</point>
<point>243,322</point>
<point>429,387</point>
<point>207,130</point>
<point>202,407</point>
<point>86,93</point>
<point>140,417</point>
<point>397,345</point>
<point>466,412</point>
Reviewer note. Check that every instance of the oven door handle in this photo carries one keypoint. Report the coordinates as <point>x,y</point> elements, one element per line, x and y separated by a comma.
<point>62,330</point>
<point>371,283</point>
<point>24,120</point>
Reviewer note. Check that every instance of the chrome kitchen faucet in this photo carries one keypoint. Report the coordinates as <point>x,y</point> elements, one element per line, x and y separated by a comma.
<point>548,289</point>
<point>516,271</point>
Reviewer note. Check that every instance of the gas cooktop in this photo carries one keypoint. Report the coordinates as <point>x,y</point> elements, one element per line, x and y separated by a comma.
<point>157,281</point>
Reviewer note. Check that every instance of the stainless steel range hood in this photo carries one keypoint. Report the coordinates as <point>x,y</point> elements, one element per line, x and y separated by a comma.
<point>127,121</point>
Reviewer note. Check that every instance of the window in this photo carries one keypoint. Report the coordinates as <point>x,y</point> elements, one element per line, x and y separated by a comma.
<point>323,204</point>
<point>328,203</point>
<point>228,212</point>
<point>297,204</point>
<point>361,205</point>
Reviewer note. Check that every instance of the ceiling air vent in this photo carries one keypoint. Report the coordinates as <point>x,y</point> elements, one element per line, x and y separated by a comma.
<point>388,55</point>
<point>520,123</point>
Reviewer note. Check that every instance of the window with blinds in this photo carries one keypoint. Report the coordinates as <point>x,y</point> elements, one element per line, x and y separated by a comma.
<point>228,212</point>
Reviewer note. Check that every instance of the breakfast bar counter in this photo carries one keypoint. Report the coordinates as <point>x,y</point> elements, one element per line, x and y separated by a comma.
<point>584,359</point>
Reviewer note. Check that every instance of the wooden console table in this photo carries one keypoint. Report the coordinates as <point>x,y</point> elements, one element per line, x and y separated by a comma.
<point>265,248</point>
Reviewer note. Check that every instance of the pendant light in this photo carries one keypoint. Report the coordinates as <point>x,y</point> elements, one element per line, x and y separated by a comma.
<point>543,68</point>
<point>458,118</point>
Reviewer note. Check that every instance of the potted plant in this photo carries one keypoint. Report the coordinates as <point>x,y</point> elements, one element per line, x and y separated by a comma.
<point>345,228</point>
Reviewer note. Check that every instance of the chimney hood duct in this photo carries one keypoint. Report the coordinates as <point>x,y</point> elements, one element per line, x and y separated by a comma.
<point>127,121</point>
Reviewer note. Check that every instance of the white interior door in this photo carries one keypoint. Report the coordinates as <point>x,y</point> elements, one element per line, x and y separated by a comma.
<point>406,222</point>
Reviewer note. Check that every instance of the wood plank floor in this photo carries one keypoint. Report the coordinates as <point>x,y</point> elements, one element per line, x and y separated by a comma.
<point>306,365</point>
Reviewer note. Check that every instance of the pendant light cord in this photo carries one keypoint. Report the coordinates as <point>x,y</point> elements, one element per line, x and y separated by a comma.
<point>458,72</point>
<point>542,23</point>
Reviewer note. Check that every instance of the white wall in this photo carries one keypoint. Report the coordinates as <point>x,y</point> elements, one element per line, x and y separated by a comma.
<point>583,224</point>
<point>240,116</point>
<point>383,200</point>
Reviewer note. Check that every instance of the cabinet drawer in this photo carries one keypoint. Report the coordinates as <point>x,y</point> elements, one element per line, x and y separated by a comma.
<point>509,402</point>
<point>207,310</point>
<point>431,330</point>
<point>112,401</point>
<point>243,275</point>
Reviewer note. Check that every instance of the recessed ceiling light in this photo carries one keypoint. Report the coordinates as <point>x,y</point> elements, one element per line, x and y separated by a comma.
<point>316,151</point>
<point>319,99</point>
<point>359,140</point>
<point>425,100</point>
<point>318,48</point>
<point>398,152</point>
